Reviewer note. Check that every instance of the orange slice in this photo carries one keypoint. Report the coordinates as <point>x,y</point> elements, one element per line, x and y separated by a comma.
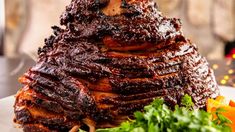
<point>220,102</point>
<point>221,99</point>
<point>232,103</point>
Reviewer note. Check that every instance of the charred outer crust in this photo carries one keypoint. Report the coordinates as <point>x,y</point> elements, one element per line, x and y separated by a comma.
<point>79,77</point>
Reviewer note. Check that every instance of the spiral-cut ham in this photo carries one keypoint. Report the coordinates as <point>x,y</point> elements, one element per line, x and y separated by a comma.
<point>108,59</point>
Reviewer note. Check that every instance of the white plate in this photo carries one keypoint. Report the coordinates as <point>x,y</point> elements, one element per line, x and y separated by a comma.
<point>7,114</point>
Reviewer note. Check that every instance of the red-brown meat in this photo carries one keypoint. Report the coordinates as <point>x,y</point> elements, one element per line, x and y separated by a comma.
<point>109,59</point>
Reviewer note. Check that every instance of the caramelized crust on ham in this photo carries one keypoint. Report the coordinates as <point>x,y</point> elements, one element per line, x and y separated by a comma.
<point>112,58</point>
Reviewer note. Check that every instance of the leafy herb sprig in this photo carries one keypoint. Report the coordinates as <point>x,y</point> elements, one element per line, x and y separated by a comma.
<point>158,117</point>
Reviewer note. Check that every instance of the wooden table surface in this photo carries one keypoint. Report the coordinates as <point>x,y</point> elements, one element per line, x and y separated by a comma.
<point>12,68</point>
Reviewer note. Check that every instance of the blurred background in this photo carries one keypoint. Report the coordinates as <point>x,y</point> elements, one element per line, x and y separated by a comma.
<point>24,24</point>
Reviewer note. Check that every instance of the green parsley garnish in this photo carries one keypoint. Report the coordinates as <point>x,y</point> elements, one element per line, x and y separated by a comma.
<point>187,102</point>
<point>158,117</point>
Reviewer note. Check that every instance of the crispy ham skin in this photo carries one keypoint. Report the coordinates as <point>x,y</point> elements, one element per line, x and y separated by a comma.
<point>108,59</point>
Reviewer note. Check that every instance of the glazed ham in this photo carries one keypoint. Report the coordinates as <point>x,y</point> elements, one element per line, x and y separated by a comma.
<point>108,59</point>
